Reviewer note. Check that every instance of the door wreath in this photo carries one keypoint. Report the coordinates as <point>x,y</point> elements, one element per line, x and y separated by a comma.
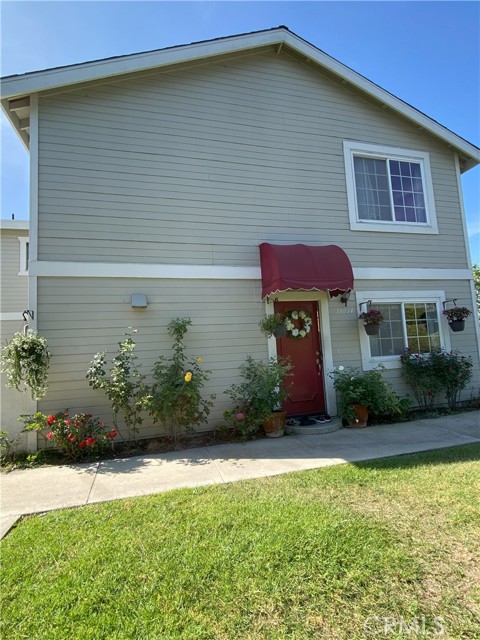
<point>295,330</point>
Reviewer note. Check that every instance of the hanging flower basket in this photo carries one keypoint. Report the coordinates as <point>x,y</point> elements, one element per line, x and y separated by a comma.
<point>372,329</point>
<point>372,319</point>
<point>456,317</point>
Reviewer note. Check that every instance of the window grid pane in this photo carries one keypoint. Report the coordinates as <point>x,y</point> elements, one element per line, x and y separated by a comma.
<point>407,191</point>
<point>390,341</point>
<point>423,333</point>
<point>373,193</point>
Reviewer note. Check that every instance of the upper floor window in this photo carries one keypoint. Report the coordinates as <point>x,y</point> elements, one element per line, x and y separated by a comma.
<point>24,255</point>
<point>389,189</point>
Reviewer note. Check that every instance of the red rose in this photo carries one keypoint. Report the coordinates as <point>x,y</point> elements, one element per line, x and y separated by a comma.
<point>112,434</point>
<point>90,441</point>
<point>78,423</point>
<point>68,422</point>
<point>50,435</point>
<point>82,444</point>
<point>50,419</point>
<point>71,438</point>
<point>101,424</point>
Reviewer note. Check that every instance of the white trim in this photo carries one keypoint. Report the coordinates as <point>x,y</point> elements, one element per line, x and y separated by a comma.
<point>271,341</point>
<point>51,78</point>
<point>33,245</point>
<point>375,273</point>
<point>45,268</point>
<point>23,262</point>
<point>131,270</point>
<point>10,316</point>
<point>353,148</point>
<point>393,362</point>
<point>18,225</point>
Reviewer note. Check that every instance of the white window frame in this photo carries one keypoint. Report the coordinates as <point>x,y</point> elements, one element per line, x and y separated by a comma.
<point>397,297</point>
<point>364,150</point>
<point>23,265</point>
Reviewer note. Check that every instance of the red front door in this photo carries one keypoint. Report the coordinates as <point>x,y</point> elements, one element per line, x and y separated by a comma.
<point>306,390</point>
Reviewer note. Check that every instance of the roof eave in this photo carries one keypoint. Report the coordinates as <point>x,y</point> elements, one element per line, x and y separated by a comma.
<point>19,86</point>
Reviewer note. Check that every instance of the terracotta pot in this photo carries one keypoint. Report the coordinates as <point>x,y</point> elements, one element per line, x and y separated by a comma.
<point>274,426</point>
<point>457,325</point>
<point>372,329</point>
<point>361,416</point>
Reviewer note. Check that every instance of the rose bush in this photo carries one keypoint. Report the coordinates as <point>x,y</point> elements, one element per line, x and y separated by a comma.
<point>78,437</point>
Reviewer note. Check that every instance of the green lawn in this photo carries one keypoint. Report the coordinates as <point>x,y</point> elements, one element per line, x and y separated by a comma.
<point>323,554</point>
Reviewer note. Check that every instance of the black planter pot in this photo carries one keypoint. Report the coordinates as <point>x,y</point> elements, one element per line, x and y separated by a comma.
<point>281,331</point>
<point>372,329</point>
<point>457,325</point>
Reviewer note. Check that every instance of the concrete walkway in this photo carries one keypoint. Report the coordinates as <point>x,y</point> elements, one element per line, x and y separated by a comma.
<point>46,488</point>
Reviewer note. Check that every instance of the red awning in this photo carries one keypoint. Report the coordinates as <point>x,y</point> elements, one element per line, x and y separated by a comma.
<point>300,267</point>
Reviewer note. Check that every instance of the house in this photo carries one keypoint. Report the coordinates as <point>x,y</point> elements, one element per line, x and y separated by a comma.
<point>14,249</point>
<point>166,173</point>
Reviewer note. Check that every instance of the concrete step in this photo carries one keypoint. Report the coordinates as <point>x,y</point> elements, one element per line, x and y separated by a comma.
<point>315,429</point>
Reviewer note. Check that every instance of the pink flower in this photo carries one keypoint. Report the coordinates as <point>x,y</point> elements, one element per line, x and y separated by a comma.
<point>68,422</point>
<point>240,416</point>
<point>101,424</point>
<point>50,419</point>
<point>50,435</point>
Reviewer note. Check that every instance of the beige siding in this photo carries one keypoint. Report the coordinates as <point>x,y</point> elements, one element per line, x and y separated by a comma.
<point>198,166</point>
<point>82,316</point>
<point>13,288</point>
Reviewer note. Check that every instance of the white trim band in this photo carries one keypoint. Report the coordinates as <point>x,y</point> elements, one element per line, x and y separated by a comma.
<point>217,272</point>
<point>9,316</point>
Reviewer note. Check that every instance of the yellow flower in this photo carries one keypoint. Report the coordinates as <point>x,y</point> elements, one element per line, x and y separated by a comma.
<point>188,376</point>
<point>199,359</point>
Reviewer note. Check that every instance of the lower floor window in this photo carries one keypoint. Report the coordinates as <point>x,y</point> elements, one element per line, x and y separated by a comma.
<point>406,325</point>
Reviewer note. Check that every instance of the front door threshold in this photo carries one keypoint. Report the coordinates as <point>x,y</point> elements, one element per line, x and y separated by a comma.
<point>314,429</point>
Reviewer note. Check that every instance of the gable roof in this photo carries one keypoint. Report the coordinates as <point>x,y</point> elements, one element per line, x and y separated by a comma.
<point>16,89</point>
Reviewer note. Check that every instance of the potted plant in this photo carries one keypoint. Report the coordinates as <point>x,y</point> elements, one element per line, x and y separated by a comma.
<point>258,398</point>
<point>273,326</point>
<point>372,319</point>
<point>456,317</point>
<point>363,392</point>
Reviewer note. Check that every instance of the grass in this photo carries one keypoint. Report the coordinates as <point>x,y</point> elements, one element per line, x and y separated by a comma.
<point>318,554</point>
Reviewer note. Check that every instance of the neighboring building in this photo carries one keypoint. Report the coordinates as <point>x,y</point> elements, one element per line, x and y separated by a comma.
<point>14,249</point>
<point>162,173</point>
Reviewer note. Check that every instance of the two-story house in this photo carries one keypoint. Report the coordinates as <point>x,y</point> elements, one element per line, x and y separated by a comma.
<point>189,174</point>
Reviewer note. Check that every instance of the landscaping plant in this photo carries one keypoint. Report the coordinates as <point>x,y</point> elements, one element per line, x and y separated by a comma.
<point>26,359</point>
<point>438,372</point>
<point>262,391</point>
<point>365,388</point>
<point>78,437</point>
<point>124,385</point>
<point>175,399</point>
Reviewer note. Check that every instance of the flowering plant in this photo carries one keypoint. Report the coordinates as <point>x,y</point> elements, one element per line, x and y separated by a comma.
<point>78,437</point>
<point>298,323</point>
<point>25,358</point>
<point>456,313</point>
<point>366,388</point>
<point>372,316</point>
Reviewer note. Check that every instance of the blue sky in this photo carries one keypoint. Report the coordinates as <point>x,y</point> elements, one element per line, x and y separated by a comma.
<point>427,53</point>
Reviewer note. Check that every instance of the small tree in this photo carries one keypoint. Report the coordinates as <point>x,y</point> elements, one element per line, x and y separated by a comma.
<point>124,385</point>
<point>453,372</point>
<point>175,398</point>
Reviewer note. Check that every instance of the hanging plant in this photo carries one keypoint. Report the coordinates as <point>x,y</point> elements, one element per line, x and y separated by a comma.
<point>26,359</point>
<point>298,323</point>
<point>372,319</point>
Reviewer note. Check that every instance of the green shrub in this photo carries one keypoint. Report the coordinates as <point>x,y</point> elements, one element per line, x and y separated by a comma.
<point>78,437</point>
<point>124,385</point>
<point>367,388</point>
<point>175,398</point>
<point>437,373</point>
<point>264,389</point>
